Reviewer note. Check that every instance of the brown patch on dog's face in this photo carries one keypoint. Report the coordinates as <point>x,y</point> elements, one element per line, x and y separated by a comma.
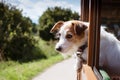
<point>56,27</point>
<point>76,31</point>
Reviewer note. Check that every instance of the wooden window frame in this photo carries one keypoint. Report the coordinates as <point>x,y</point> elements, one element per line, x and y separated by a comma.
<point>94,33</point>
<point>91,12</point>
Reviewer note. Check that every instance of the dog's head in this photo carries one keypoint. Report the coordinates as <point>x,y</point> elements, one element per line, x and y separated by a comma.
<point>71,34</point>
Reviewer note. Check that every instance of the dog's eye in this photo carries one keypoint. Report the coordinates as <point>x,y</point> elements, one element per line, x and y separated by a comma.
<point>69,36</point>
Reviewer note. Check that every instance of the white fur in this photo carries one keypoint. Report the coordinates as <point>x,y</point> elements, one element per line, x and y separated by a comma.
<point>109,48</point>
<point>109,52</point>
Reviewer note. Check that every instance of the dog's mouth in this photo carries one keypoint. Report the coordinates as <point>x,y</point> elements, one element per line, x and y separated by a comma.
<point>66,50</point>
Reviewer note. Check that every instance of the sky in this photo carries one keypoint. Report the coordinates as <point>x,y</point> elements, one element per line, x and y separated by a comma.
<point>35,8</point>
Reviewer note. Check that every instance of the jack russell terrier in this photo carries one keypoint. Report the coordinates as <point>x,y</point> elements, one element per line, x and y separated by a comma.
<point>73,38</point>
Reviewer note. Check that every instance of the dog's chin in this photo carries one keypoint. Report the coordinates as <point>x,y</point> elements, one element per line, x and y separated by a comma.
<point>67,52</point>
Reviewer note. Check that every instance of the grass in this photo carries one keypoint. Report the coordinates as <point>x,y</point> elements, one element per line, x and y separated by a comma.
<point>13,70</point>
<point>47,48</point>
<point>26,71</point>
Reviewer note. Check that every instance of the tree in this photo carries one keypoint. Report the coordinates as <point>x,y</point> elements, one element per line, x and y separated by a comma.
<point>16,41</point>
<point>51,16</point>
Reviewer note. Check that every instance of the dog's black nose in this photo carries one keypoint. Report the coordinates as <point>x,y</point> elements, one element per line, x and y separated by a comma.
<point>59,48</point>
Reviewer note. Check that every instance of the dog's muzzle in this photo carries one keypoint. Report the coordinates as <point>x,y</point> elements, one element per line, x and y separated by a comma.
<point>59,48</point>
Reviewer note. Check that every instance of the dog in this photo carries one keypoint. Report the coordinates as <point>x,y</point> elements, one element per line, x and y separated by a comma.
<point>73,38</point>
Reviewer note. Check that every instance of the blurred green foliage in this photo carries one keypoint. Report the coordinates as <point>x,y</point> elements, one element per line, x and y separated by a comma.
<point>16,41</point>
<point>51,16</point>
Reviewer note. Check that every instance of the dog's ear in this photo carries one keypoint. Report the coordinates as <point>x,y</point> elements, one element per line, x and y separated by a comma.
<point>79,28</point>
<point>56,27</point>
